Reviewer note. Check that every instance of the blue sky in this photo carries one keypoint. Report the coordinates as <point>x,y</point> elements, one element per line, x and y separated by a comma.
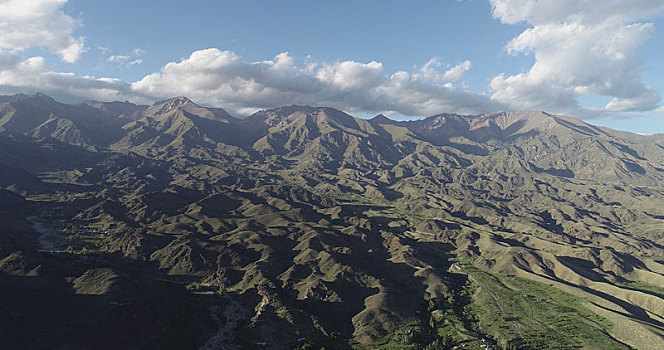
<point>396,33</point>
<point>596,60</point>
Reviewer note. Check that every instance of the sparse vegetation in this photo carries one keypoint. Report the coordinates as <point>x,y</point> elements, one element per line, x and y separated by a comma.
<point>309,228</point>
<point>531,315</point>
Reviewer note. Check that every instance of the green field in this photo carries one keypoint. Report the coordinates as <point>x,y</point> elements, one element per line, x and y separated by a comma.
<point>536,316</point>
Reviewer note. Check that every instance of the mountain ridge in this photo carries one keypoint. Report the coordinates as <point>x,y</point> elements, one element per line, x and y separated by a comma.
<point>180,101</point>
<point>308,223</point>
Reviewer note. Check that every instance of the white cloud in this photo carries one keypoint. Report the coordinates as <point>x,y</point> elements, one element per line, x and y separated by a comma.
<point>31,23</point>
<point>34,75</point>
<point>539,12</point>
<point>221,78</point>
<point>118,58</point>
<point>283,60</point>
<point>429,71</point>
<point>455,73</point>
<point>581,47</point>
<point>128,60</point>
<point>351,74</point>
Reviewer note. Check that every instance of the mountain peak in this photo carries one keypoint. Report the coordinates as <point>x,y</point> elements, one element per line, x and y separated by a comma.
<point>168,105</point>
<point>287,110</point>
<point>274,116</point>
<point>41,97</point>
<point>38,98</point>
<point>287,114</point>
<point>175,102</point>
<point>382,119</point>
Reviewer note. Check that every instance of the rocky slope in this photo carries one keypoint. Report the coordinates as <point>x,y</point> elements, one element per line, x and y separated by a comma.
<point>313,226</point>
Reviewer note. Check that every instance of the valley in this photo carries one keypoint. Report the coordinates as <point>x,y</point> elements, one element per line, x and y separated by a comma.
<point>179,226</point>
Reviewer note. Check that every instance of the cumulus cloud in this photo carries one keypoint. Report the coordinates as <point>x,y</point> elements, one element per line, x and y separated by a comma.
<point>25,24</point>
<point>282,60</point>
<point>581,47</point>
<point>455,73</point>
<point>34,75</point>
<point>430,71</point>
<point>351,74</point>
<point>222,78</point>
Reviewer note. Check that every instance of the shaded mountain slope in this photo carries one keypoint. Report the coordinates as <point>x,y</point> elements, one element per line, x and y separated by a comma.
<point>306,225</point>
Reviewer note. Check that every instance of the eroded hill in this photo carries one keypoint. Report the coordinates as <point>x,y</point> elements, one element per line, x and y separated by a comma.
<point>305,225</point>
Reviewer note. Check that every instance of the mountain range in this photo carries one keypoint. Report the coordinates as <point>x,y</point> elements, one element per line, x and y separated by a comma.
<point>179,226</point>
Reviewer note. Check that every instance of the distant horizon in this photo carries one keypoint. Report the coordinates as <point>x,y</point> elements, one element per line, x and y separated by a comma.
<point>360,116</point>
<point>593,60</point>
